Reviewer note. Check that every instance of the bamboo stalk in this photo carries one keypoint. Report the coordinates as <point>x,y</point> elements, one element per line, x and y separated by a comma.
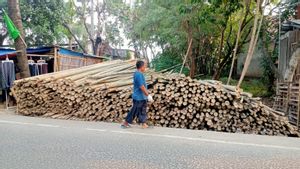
<point>103,93</point>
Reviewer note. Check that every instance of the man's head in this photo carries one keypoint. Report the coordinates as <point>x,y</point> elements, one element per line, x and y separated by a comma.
<point>141,66</point>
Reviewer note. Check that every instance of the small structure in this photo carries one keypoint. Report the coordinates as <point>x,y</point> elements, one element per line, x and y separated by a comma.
<point>58,58</point>
<point>288,90</point>
<point>46,60</point>
<point>122,54</point>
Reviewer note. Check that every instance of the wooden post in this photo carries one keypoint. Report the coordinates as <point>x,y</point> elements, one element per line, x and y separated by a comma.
<point>288,97</point>
<point>275,105</point>
<point>298,108</point>
<point>55,59</point>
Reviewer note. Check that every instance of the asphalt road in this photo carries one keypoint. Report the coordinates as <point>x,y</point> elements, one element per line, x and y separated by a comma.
<point>37,143</point>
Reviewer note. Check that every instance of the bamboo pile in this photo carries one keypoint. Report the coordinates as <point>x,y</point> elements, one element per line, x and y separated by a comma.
<point>102,92</point>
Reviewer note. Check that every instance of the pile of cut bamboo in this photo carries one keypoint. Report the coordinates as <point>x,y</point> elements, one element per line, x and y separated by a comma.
<point>102,92</point>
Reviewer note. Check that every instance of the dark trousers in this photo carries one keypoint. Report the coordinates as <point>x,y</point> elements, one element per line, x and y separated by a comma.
<point>139,110</point>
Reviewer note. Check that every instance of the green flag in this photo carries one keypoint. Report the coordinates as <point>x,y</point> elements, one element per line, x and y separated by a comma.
<point>11,28</point>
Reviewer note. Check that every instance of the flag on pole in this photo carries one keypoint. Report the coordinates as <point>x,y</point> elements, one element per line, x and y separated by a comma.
<point>11,28</point>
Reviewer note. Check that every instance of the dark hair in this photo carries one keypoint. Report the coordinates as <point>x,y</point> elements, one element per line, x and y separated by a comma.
<point>139,64</point>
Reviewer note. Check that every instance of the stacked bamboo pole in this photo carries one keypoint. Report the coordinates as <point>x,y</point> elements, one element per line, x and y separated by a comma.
<point>102,92</point>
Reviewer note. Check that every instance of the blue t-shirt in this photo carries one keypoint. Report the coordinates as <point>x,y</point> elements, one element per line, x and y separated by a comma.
<point>138,81</point>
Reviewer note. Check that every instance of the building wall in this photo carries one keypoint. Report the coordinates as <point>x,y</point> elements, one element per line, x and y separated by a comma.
<point>289,43</point>
<point>123,54</point>
<point>255,68</point>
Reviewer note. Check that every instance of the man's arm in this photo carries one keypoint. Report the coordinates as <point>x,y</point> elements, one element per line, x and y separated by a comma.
<point>144,90</point>
<point>140,82</point>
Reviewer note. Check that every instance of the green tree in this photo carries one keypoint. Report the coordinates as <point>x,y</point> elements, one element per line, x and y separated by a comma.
<point>171,25</point>
<point>42,21</point>
<point>14,12</point>
<point>3,31</point>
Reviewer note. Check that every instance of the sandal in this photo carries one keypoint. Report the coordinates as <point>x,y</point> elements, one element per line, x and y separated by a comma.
<point>124,126</point>
<point>146,126</point>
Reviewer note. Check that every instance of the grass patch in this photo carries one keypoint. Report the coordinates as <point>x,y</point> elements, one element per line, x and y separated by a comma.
<point>254,86</point>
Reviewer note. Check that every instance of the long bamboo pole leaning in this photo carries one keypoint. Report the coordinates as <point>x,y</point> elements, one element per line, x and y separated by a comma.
<point>66,73</point>
<point>253,41</point>
<point>185,57</point>
<point>235,50</point>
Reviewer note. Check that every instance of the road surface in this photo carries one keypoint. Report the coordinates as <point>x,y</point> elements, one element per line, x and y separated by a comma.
<point>38,143</point>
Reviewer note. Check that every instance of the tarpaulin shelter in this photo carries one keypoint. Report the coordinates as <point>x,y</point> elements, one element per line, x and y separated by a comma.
<point>56,58</point>
<point>60,58</point>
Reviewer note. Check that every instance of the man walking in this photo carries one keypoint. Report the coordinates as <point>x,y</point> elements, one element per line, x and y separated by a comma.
<point>140,97</point>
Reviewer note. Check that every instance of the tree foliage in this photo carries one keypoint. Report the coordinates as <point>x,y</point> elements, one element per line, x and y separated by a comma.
<point>166,26</point>
<point>42,21</point>
<point>48,22</point>
<point>3,30</point>
<point>172,24</point>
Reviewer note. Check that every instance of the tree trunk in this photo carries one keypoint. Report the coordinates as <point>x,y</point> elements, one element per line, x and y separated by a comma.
<point>98,44</point>
<point>152,51</point>
<point>14,13</point>
<point>190,54</point>
<point>222,65</point>
<point>136,50</point>
<point>218,69</point>
<point>193,66</point>
<point>146,53</point>
<point>236,46</point>
<point>70,43</point>
<point>217,72</point>
<point>193,63</point>
<point>186,55</point>
<point>74,36</point>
